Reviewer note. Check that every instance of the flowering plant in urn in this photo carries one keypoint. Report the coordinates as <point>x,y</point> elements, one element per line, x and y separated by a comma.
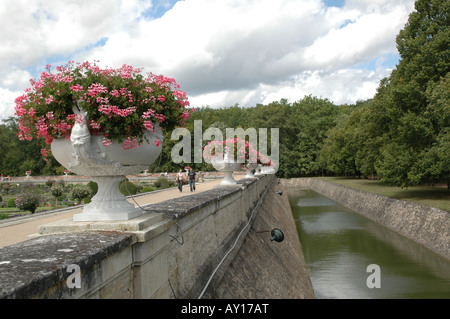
<point>240,150</point>
<point>120,104</point>
<point>231,155</point>
<point>103,123</point>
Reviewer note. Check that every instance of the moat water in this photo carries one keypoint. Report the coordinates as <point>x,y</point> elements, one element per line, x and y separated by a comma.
<point>352,257</point>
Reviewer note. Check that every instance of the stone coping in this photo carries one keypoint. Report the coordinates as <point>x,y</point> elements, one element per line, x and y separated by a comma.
<point>81,178</point>
<point>152,221</point>
<point>20,219</point>
<point>32,266</point>
<point>182,206</point>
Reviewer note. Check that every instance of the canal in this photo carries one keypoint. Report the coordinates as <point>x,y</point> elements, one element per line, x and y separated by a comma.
<point>351,257</point>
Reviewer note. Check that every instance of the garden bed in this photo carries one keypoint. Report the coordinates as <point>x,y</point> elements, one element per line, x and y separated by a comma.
<point>69,195</point>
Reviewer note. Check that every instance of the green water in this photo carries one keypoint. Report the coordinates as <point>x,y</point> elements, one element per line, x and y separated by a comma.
<point>340,244</point>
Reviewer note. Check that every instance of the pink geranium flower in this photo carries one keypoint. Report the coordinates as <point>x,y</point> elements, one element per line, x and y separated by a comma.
<point>122,104</point>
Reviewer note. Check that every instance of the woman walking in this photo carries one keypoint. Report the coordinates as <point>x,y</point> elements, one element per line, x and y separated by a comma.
<point>180,180</point>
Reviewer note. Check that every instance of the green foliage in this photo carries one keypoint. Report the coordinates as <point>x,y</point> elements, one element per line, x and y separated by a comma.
<point>127,188</point>
<point>57,190</point>
<point>27,201</point>
<point>94,187</point>
<point>79,192</point>
<point>138,187</point>
<point>50,182</point>
<point>5,187</point>
<point>10,203</point>
<point>162,183</point>
<point>147,189</point>
<point>29,187</point>
<point>59,170</point>
<point>402,135</point>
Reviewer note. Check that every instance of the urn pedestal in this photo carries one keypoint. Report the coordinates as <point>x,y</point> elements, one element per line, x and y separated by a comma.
<point>250,167</point>
<point>268,170</point>
<point>85,154</point>
<point>227,165</point>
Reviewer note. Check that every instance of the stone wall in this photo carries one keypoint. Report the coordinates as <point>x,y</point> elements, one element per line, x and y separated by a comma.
<point>38,268</point>
<point>172,251</point>
<point>204,229</point>
<point>263,268</point>
<point>427,226</point>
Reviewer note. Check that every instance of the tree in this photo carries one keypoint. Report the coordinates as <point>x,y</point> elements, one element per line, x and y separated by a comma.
<point>423,46</point>
<point>408,119</point>
<point>79,192</point>
<point>57,190</point>
<point>29,197</point>
<point>27,201</point>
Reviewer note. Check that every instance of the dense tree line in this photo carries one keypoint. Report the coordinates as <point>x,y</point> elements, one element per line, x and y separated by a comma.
<point>401,135</point>
<point>17,156</point>
<point>303,127</point>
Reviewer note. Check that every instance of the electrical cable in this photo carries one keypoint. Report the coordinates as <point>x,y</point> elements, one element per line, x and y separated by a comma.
<point>178,226</point>
<point>131,195</point>
<point>182,238</point>
<point>171,288</point>
<point>229,251</point>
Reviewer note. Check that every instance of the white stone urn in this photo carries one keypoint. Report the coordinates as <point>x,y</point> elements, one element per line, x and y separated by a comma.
<point>84,154</point>
<point>258,171</point>
<point>249,168</point>
<point>227,165</point>
<point>268,170</point>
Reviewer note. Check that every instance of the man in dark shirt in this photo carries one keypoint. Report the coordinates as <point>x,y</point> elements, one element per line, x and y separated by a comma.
<point>191,176</point>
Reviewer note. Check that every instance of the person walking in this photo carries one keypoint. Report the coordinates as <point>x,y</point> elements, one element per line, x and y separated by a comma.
<point>180,180</point>
<point>191,177</point>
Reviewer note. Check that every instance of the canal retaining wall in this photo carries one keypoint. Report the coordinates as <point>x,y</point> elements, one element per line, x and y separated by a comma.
<point>263,268</point>
<point>427,226</point>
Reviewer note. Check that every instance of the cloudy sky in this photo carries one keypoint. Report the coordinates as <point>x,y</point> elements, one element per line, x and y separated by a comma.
<point>222,52</point>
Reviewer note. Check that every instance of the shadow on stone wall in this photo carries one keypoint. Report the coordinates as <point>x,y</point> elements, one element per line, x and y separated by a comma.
<point>268,269</point>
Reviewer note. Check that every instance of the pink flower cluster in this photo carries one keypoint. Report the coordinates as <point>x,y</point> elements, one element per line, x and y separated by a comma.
<point>242,151</point>
<point>96,88</point>
<point>119,103</point>
<point>115,110</point>
<point>130,142</point>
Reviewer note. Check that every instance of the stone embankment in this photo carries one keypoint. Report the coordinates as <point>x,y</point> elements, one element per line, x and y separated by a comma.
<point>264,268</point>
<point>427,226</point>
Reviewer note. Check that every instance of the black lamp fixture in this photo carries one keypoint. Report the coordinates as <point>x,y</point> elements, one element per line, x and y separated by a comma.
<point>276,233</point>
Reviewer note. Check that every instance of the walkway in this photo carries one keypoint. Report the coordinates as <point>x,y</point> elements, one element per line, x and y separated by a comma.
<point>18,230</point>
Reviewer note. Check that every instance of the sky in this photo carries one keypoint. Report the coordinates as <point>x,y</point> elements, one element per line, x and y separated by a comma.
<point>221,52</point>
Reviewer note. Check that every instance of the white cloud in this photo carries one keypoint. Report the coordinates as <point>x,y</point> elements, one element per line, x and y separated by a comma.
<point>367,37</point>
<point>222,52</point>
<point>15,78</point>
<point>6,96</point>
